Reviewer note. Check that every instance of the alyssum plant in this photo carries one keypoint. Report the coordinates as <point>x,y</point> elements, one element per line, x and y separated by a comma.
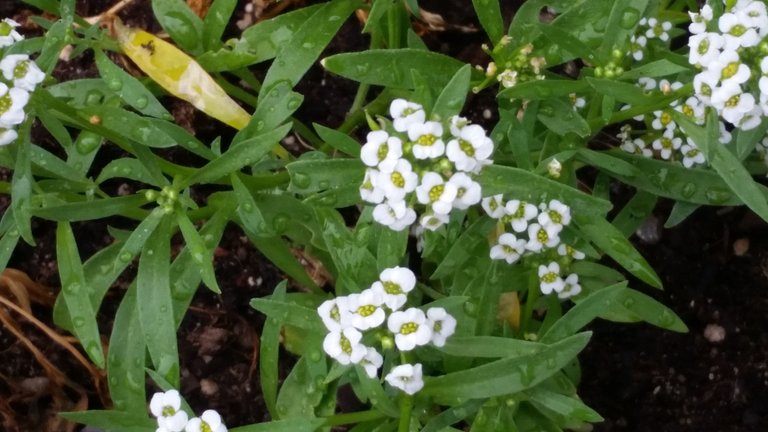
<point>477,257</point>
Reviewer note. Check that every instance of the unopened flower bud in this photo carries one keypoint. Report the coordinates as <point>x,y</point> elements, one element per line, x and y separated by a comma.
<point>554,167</point>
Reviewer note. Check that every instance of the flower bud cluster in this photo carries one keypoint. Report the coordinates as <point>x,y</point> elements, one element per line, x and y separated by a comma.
<point>732,52</point>
<point>531,231</point>
<point>521,67</point>
<point>19,76</point>
<point>432,163</point>
<point>166,407</point>
<point>347,317</point>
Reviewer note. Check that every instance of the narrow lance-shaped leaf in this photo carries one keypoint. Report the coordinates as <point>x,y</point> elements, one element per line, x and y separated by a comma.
<point>180,75</point>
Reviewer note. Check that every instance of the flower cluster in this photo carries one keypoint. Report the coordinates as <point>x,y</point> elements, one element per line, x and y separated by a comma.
<point>528,231</point>
<point>648,29</point>
<point>733,57</point>
<point>347,317</point>
<point>431,163</point>
<point>18,78</point>
<point>166,407</point>
<point>521,67</point>
<point>663,138</point>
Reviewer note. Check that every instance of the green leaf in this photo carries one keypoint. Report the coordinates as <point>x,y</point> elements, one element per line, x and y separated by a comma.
<point>570,45</point>
<point>8,241</point>
<point>128,126</point>
<point>607,162</point>
<point>248,210</point>
<point>75,291</point>
<point>634,213</point>
<point>544,89</point>
<point>560,118</point>
<point>376,15</point>
<point>279,253</point>
<point>569,407</point>
<point>452,98</point>
<point>295,398</point>
<point>290,314</point>
<point>112,420</point>
<point>612,242</point>
<point>622,92</point>
<point>246,152</point>
<point>202,256</point>
<point>353,261</point>
<point>524,185</point>
<point>338,140</point>
<point>391,247</point>
<point>725,163</point>
<point>489,347</point>
<point>55,41</point>
<point>622,21</point>
<point>259,42</point>
<point>506,376</point>
<point>215,22</point>
<point>269,352</point>
<point>155,304</point>
<point>89,210</point>
<point>309,41</point>
<point>489,14</point>
<point>277,105</point>
<point>129,88</point>
<point>453,415</point>
<point>633,305</point>
<point>21,185</point>
<point>583,313</point>
<point>126,168</point>
<point>747,140</point>
<point>654,69</point>
<point>184,26</point>
<point>309,176</point>
<point>680,212</point>
<point>126,357</point>
<point>372,390</point>
<point>57,168</point>
<point>287,425</point>
<point>392,67</point>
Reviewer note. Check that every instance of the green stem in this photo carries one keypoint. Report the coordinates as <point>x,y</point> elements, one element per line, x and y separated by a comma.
<point>238,92</point>
<point>530,300</point>
<point>249,78</point>
<point>406,408</point>
<point>431,292</point>
<point>354,417</point>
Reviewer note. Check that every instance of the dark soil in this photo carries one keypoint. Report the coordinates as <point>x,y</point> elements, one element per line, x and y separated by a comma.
<point>638,377</point>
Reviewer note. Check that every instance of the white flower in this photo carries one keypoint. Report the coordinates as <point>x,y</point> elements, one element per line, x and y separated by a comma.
<point>751,119</point>
<point>381,150</point>
<point>335,313</point>
<point>692,107</point>
<point>700,20</point>
<point>729,68</point>
<point>467,191</point>
<point>405,113</point>
<point>725,136</point>
<point>549,278</point>
<point>658,29</point>
<point>344,345</point>
<point>442,323</point>
<point>637,146</point>
<point>22,71</point>
<point>427,140</point>
<point>399,182</point>
<point>567,250</point>
<point>456,124</point>
<point>646,83</point>
<point>365,309</point>
<point>368,190</point>
<point>394,214</point>
<point>410,328</point>
<point>508,78</point>
<point>754,15</point>
<point>691,154</point>
<point>556,214</point>
<point>732,102</point>
<point>7,136</point>
<point>471,149</point>
<point>571,286</point>
<point>394,284</point>
<point>433,221</point>
<point>372,362</point>
<point>166,407</point>
<point>518,213</point>
<point>540,236</point>
<point>210,421</point>
<point>494,206</point>
<point>705,83</point>
<point>736,33</point>
<point>705,48</point>
<point>577,102</point>
<point>12,103</point>
<point>662,119</point>
<point>637,46</point>
<point>8,34</point>
<point>667,143</point>
<point>436,192</point>
<point>509,248</point>
<point>406,377</point>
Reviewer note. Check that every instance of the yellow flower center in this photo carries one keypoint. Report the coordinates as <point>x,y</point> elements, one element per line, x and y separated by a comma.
<point>392,288</point>
<point>467,148</point>
<point>733,101</point>
<point>366,310</point>
<point>549,277</point>
<point>555,216</point>
<point>335,314</point>
<point>730,70</point>
<point>426,140</point>
<point>408,328</point>
<point>345,344</point>
<point>737,30</point>
<point>436,192</point>
<point>168,411</point>
<point>383,151</point>
<point>21,69</point>
<point>542,235</point>
<point>665,118</point>
<point>397,179</point>
<point>703,46</point>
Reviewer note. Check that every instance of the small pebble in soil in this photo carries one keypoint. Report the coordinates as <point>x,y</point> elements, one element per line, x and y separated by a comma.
<point>208,387</point>
<point>714,333</point>
<point>487,114</point>
<point>741,246</point>
<point>649,232</point>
